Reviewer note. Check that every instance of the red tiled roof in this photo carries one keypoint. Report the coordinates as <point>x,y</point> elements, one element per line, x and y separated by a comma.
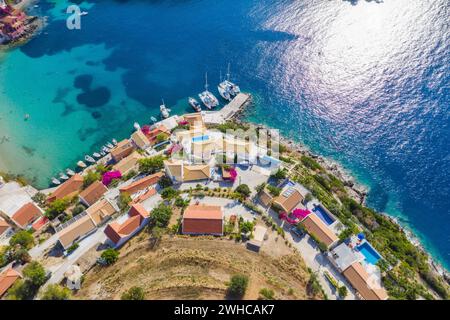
<point>7,279</point>
<point>3,226</point>
<point>68,188</point>
<point>93,193</point>
<point>40,223</point>
<point>149,193</point>
<point>26,215</point>
<point>115,231</point>
<point>141,184</point>
<point>202,219</point>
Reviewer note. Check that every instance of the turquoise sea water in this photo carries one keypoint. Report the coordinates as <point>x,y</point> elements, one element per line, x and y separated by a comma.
<point>365,83</point>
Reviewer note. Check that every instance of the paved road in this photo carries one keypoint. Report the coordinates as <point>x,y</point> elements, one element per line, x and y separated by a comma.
<point>39,250</point>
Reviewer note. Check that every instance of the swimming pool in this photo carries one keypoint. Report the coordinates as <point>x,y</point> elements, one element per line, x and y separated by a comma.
<point>323,215</point>
<point>200,138</point>
<point>370,254</point>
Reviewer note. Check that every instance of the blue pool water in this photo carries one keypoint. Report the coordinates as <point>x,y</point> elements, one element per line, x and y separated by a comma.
<point>201,138</point>
<point>363,82</point>
<point>323,215</point>
<point>369,253</point>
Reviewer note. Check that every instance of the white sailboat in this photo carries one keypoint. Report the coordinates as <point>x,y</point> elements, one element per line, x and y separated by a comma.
<point>227,87</point>
<point>208,99</point>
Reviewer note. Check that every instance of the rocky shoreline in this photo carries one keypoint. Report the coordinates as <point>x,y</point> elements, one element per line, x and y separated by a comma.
<point>356,191</point>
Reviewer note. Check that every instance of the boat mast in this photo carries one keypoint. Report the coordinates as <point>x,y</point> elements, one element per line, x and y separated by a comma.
<point>228,72</point>
<point>206,81</point>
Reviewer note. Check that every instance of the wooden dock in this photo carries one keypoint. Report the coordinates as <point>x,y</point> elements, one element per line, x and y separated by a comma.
<point>229,111</point>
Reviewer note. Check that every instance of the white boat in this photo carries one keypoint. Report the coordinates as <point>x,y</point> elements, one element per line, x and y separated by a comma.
<point>137,126</point>
<point>164,110</point>
<point>63,176</point>
<point>81,164</point>
<point>56,181</point>
<point>228,89</point>
<point>109,145</point>
<point>194,104</point>
<point>153,119</point>
<point>97,155</point>
<point>88,158</point>
<point>114,141</point>
<point>105,149</point>
<point>208,99</point>
<point>84,13</point>
<point>70,172</point>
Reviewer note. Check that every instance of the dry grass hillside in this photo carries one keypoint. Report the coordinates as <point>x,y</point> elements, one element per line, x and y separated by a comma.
<point>195,268</point>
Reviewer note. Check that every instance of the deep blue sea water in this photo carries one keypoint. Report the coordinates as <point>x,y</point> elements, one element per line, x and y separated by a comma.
<point>365,83</point>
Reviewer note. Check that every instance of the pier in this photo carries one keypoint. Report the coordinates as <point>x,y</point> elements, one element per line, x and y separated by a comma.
<point>229,111</point>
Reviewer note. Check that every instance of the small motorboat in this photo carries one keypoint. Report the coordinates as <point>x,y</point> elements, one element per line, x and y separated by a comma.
<point>56,181</point>
<point>97,155</point>
<point>153,119</point>
<point>84,13</point>
<point>63,176</point>
<point>164,110</point>
<point>70,172</point>
<point>88,158</point>
<point>137,126</point>
<point>81,164</point>
<point>105,149</point>
<point>103,153</point>
<point>114,141</point>
<point>109,145</point>
<point>194,104</point>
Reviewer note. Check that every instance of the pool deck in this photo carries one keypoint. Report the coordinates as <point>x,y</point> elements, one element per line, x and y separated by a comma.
<point>229,111</point>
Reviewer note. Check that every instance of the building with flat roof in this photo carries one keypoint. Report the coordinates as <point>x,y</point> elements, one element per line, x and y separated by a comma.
<point>256,242</point>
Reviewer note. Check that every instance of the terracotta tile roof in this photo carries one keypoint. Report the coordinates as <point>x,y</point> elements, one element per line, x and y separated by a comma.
<point>149,193</point>
<point>203,219</point>
<point>265,198</point>
<point>175,168</point>
<point>142,184</point>
<point>3,226</point>
<point>100,211</point>
<point>93,193</point>
<point>290,202</point>
<point>68,189</point>
<point>151,135</point>
<point>26,215</point>
<point>140,139</point>
<point>75,231</point>
<point>126,164</point>
<point>115,231</point>
<point>7,279</point>
<point>317,227</point>
<point>196,172</point>
<point>360,280</point>
<point>37,225</point>
<point>122,149</point>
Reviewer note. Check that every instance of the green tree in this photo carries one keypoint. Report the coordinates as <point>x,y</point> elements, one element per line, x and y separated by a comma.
<point>23,238</point>
<point>124,201</point>
<point>40,198</point>
<point>260,187</point>
<point>244,190</point>
<point>342,291</point>
<point>35,272</point>
<point>280,174</point>
<point>238,285</point>
<point>274,191</point>
<point>165,182</point>
<point>246,226</point>
<point>160,216</point>
<point>134,293</point>
<point>56,292</point>
<point>151,165</point>
<point>161,137</point>
<point>181,203</point>
<point>110,256</point>
<point>169,193</point>
<point>21,290</point>
<point>90,178</point>
<point>308,197</point>
<point>57,207</point>
<point>266,294</point>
